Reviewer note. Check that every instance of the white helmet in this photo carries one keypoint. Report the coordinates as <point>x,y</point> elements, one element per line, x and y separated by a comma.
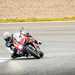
<point>6,35</point>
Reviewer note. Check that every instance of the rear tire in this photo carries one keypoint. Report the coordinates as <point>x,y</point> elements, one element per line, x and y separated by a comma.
<point>13,56</point>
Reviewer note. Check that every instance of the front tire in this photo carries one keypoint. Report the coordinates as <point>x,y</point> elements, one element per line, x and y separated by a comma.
<point>41,54</point>
<point>37,54</point>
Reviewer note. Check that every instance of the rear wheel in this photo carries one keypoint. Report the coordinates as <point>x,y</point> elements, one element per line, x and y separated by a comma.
<point>13,56</point>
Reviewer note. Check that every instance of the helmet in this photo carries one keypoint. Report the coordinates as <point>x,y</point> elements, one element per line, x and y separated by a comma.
<point>22,32</point>
<point>27,33</point>
<point>6,35</point>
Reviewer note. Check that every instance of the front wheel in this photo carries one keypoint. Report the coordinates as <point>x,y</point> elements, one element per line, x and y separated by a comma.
<point>37,54</point>
<point>41,54</point>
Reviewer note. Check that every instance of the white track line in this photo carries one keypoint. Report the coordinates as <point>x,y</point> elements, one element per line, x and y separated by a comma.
<point>2,60</point>
<point>60,54</point>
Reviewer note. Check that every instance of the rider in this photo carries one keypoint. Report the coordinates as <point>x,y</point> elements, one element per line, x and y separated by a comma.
<point>18,39</point>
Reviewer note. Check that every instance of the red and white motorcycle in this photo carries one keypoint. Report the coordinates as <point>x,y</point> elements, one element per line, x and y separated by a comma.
<point>27,47</point>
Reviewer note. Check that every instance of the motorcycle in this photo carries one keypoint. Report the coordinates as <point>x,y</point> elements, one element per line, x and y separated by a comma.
<point>29,48</point>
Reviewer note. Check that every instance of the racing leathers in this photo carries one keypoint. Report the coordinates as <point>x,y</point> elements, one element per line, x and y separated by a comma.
<point>19,41</point>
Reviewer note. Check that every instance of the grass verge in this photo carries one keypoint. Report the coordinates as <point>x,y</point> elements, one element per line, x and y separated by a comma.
<point>7,20</point>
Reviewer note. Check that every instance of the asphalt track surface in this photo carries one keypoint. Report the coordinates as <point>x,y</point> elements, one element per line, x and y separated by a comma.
<point>58,45</point>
